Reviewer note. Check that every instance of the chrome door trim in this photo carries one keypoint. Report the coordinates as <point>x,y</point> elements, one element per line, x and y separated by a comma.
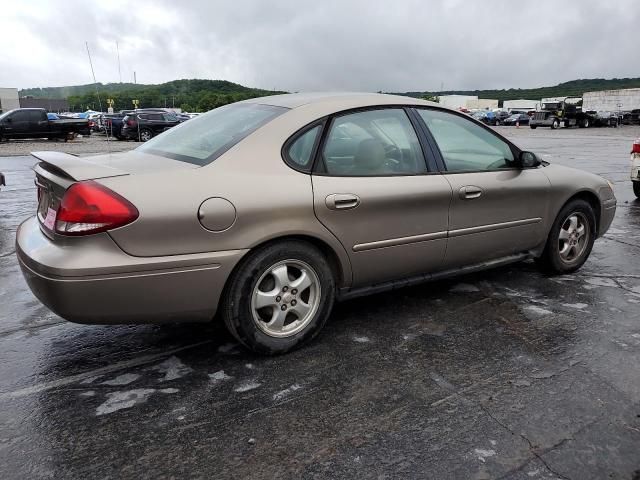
<point>494,226</point>
<point>393,242</point>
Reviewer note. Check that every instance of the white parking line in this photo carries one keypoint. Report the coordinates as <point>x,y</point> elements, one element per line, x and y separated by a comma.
<point>94,373</point>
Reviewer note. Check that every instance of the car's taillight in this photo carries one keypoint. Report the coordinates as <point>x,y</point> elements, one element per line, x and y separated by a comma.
<point>636,146</point>
<point>88,207</point>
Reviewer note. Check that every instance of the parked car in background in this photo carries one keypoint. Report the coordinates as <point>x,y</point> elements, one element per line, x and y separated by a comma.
<point>635,167</point>
<point>605,119</point>
<point>501,116</point>
<point>144,125</point>
<point>34,123</point>
<point>268,210</point>
<point>519,118</point>
<point>485,116</point>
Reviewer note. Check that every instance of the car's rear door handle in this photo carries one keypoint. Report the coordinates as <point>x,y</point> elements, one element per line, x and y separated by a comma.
<point>342,201</point>
<point>470,192</point>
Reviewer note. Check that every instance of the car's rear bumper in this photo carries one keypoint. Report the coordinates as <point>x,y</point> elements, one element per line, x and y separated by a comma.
<point>91,280</point>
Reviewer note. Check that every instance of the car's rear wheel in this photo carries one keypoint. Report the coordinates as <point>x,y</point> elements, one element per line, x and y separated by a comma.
<point>279,298</point>
<point>571,238</point>
<point>636,189</point>
<point>533,127</point>
<point>145,135</point>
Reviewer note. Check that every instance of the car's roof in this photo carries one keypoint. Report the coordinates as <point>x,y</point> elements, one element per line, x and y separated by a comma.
<point>349,99</point>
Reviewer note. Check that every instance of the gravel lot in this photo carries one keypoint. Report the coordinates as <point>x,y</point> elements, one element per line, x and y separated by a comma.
<point>504,374</point>
<point>95,143</point>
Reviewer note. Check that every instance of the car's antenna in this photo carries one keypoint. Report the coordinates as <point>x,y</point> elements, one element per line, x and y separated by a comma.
<point>93,73</point>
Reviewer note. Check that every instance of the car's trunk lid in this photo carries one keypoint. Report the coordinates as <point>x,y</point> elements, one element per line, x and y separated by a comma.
<point>57,171</point>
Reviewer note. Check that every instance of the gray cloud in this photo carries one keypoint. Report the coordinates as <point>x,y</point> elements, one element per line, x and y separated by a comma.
<point>329,45</point>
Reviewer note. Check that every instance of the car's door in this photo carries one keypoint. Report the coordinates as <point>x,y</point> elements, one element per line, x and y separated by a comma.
<point>497,209</point>
<point>17,124</point>
<point>38,123</point>
<point>373,190</point>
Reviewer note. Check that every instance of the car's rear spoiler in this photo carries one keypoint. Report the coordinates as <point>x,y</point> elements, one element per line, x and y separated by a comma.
<point>74,167</point>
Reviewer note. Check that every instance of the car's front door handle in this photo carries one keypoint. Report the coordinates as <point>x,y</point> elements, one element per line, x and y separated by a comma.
<point>342,201</point>
<point>470,192</point>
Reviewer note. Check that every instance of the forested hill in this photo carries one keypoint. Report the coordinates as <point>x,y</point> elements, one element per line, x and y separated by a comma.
<point>190,95</point>
<point>202,95</point>
<point>574,88</point>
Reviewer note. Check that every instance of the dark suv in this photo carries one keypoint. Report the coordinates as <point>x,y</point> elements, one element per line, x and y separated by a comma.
<point>144,125</point>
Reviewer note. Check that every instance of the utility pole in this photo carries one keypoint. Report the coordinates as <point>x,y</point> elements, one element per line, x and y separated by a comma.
<point>134,77</point>
<point>119,71</point>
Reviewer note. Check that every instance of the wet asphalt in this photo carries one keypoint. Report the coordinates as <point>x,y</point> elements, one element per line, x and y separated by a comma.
<point>502,374</point>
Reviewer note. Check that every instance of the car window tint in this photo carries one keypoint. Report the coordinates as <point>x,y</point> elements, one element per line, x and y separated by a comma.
<point>301,149</point>
<point>20,116</point>
<point>35,116</point>
<point>155,116</point>
<point>464,145</point>
<point>374,142</point>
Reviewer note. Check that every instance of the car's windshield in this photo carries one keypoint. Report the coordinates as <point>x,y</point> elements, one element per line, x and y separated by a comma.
<point>204,138</point>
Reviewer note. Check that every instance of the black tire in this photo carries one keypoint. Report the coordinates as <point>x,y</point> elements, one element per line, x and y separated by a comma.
<point>143,135</point>
<point>533,127</point>
<point>636,189</point>
<point>236,305</point>
<point>555,124</point>
<point>586,123</point>
<point>567,124</point>
<point>550,261</point>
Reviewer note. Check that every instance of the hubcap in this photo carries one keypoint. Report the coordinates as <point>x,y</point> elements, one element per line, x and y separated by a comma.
<point>573,238</point>
<point>285,298</point>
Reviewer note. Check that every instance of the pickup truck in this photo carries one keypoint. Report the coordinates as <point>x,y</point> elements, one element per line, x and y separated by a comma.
<point>34,123</point>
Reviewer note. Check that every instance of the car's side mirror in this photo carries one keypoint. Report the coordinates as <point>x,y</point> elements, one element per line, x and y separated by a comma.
<point>528,160</point>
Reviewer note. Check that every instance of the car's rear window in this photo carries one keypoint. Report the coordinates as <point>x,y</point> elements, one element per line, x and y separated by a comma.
<point>204,138</point>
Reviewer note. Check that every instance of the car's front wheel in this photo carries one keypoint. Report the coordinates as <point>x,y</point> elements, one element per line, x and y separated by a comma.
<point>571,238</point>
<point>279,298</point>
<point>636,189</point>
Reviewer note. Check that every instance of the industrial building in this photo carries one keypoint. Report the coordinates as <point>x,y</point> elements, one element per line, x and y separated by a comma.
<point>524,105</point>
<point>49,104</point>
<point>624,100</point>
<point>468,102</point>
<point>9,99</point>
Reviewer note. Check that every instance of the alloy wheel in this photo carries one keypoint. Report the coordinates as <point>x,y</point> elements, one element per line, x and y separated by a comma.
<point>285,298</point>
<point>573,238</point>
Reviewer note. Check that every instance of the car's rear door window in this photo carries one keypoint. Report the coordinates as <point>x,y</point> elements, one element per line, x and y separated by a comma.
<point>204,138</point>
<point>373,143</point>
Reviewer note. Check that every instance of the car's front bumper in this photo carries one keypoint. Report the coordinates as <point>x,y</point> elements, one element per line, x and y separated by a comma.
<point>91,280</point>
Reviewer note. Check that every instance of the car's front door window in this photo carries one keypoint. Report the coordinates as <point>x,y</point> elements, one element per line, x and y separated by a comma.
<point>373,143</point>
<point>464,145</point>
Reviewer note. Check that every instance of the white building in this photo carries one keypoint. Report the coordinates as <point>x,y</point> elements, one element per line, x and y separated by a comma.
<point>521,104</point>
<point>612,100</point>
<point>9,99</point>
<point>455,101</point>
<point>482,104</point>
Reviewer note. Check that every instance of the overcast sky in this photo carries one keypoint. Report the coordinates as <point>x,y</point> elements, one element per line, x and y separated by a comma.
<point>297,45</point>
